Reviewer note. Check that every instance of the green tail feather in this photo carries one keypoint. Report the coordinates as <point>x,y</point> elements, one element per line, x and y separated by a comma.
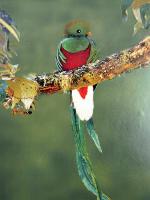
<point>93,134</point>
<point>83,163</point>
<point>85,173</point>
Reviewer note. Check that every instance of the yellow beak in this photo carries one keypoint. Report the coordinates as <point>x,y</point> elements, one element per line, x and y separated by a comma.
<point>11,29</point>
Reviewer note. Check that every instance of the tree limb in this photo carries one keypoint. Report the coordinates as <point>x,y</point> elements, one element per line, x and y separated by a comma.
<point>106,69</point>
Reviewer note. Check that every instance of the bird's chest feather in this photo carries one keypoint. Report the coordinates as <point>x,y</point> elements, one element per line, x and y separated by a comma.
<point>76,59</point>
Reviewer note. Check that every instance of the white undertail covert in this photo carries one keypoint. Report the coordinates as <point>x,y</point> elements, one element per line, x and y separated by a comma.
<point>84,107</point>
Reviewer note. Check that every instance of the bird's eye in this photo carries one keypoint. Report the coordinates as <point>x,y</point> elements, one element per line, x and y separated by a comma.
<point>78,31</point>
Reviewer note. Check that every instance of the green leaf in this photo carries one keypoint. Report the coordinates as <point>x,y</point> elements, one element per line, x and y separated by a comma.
<point>3,86</point>
<point>125,4</point>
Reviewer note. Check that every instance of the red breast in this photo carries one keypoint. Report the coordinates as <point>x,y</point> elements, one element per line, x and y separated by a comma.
<point>75,60</point>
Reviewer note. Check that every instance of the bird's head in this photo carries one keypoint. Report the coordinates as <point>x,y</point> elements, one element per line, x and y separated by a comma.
<point>7,25</point>
<point>77,28</point>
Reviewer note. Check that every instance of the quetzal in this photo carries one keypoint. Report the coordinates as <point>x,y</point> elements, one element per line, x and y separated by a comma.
<point>75,50</point>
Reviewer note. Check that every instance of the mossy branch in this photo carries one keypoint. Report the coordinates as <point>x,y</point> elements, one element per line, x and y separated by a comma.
<point>106,69</point>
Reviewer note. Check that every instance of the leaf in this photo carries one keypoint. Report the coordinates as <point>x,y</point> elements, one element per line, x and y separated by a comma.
<point>3,49</point>
<point>22,90</point>
<point>7,27</point>
<point>145,15</point>
<point>141,12</point>
<point>8,71</point>
<point>3,86</point>
<point>125,4</point>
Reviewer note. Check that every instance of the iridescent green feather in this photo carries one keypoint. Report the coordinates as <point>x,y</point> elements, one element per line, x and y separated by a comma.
<point>93,134</point>
<point>59,58</point>
<point>94,54</point>
<point>83,163</point>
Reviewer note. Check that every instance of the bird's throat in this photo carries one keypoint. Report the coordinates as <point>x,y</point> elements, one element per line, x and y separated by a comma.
<point>75,44</point>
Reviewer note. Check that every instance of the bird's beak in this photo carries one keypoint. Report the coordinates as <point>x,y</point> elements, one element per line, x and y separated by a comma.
<point>89,34</point>
<point>11,28</point>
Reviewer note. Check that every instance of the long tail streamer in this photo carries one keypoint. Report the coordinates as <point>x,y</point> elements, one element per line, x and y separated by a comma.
<point>93,134</point>
<point>82,159</point>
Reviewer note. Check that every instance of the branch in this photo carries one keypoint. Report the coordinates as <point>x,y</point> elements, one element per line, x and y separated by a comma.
<point>106,69</point>
<point>19,93</point>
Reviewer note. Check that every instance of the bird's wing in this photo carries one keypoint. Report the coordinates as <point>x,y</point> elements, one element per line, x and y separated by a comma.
<point>59,58</point>
<point>94,54</point>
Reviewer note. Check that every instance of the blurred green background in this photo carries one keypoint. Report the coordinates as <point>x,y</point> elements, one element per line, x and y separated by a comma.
<point>37,154</point>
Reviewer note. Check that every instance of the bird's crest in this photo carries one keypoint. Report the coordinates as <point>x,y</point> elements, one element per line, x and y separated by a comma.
<point>77,27</point>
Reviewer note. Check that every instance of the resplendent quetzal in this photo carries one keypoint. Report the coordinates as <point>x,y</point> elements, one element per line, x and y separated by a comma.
<point>75,50</point>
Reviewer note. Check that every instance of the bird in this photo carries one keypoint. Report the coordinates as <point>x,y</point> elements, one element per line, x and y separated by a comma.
<point>77,48</point>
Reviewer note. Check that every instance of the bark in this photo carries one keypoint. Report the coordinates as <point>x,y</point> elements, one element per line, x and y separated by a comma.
<point>94,73</point>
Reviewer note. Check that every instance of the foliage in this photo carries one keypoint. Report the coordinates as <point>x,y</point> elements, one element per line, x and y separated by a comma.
<point>141,12</point>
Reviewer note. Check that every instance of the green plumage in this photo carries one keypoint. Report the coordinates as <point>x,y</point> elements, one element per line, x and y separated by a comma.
<point>83,163</point>
<point>74,42</point>
<point>93,134</point>
<point>74,45</point>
